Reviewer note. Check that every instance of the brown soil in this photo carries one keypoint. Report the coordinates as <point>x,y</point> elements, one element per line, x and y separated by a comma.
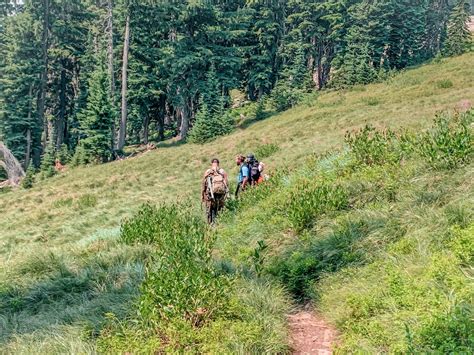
<point>310,333</point>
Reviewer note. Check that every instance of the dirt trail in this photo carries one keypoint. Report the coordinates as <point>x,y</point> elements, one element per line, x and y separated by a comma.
<point>310,333</point>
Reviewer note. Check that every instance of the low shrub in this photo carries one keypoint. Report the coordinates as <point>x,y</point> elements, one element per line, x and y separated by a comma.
<point>308,200</point>
<point>155,224</point>
<point>449,333</point>
<point>371,146</point>
<point>372,101</point>
<point>181,285</point>
<point>266,150</point>
<point>284,96</point>
<point>450,142</point>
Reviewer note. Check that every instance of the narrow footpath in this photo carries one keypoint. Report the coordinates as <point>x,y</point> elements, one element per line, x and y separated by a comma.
<point>310,333</point>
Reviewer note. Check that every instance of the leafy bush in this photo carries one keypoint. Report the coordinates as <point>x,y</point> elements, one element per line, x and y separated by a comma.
<point>449,333</point>
<point>308,200</point>
<point>266,150</point>
<point>371,146</point>
<point>450,142</point>
<point>154,224</point>
<point>181,284</point>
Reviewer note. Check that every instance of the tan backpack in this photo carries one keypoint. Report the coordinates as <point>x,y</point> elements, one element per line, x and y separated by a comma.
<point>216,182</point>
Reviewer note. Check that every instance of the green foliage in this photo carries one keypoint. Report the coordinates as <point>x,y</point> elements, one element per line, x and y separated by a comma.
<point>450,332</point>
<point>87,201</point>
<point>181,284</point>
<point>151,225</point>
<point>458,35</point>
<point>449,144</point>
<point>306,262</point>
<point>48,162</point>
<point>371,146</point>
<point>444,84</point>
<point>260,109</point>
<point>96,120</point>
<point>79,157</point>
<point>258,257</point>
<point>284,96</point>
<point>266,150</point>
<point>29,179</point>
<point>308,200</point>
<point>208,126</point>
<point>63,154</point>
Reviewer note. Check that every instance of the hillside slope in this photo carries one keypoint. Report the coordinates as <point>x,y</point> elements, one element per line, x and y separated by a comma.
<point>61,267</point>
<point>60,209</point>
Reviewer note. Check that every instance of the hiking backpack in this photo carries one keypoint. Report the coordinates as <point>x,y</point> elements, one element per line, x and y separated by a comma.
<point>216,182</point>
<point>254,171</point>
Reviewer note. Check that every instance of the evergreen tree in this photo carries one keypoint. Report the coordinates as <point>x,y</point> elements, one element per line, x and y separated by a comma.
<point>19,74</point>
<point>96,119</point>
<point>186,56</point>
<point>458,35</point>
<point>47,162</point>
<point>29,179</point>
<point>210,124</point>
<point>204,128</point>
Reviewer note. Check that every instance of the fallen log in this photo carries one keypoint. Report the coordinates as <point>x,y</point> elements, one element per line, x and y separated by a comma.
<point>11,165</point>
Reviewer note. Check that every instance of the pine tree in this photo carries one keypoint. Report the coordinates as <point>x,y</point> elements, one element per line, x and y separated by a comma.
<point>47,162</point>
<point>212,92</point>
<point>204,128</point>
<point>209,125</point>
<point>29,179</point>
<point>19,74</point>
<point>96,119</point>
<point>458,34</point>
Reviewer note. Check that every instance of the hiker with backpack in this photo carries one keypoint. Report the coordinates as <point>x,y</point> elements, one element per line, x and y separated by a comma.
<point>250,172</point>
<point>214,190</point>
<point>255,170</point>
<point>244,174</point>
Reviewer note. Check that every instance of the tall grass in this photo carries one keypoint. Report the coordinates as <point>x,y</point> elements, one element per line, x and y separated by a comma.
<point>388,268</point>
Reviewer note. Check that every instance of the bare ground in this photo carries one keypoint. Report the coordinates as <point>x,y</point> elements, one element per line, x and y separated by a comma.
<point>310,333</point>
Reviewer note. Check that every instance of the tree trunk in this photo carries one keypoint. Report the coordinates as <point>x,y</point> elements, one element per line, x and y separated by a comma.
<point>28,148</point>
<point>61,121</point>
<point>11,165</point>
<point>184,127</point>
<point>110,54</point>
<point>123,121</point>
<point>146,124</point>
<point>44,74</point>
<point>28,131</point>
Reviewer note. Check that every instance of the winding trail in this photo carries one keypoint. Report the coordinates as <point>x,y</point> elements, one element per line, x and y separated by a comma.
<point>310,333</point>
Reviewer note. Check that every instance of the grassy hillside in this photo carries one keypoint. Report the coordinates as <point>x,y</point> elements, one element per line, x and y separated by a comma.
<point>62,266</point>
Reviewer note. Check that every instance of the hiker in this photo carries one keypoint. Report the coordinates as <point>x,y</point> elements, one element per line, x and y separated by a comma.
<point>243,178</point>
<point>214,190</point>
<point>255,170</point>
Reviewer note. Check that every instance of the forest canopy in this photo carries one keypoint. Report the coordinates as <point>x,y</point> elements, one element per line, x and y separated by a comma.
<point>84,78</point>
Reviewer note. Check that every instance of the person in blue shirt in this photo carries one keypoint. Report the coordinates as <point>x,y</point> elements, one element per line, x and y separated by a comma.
<point>244,174</point>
